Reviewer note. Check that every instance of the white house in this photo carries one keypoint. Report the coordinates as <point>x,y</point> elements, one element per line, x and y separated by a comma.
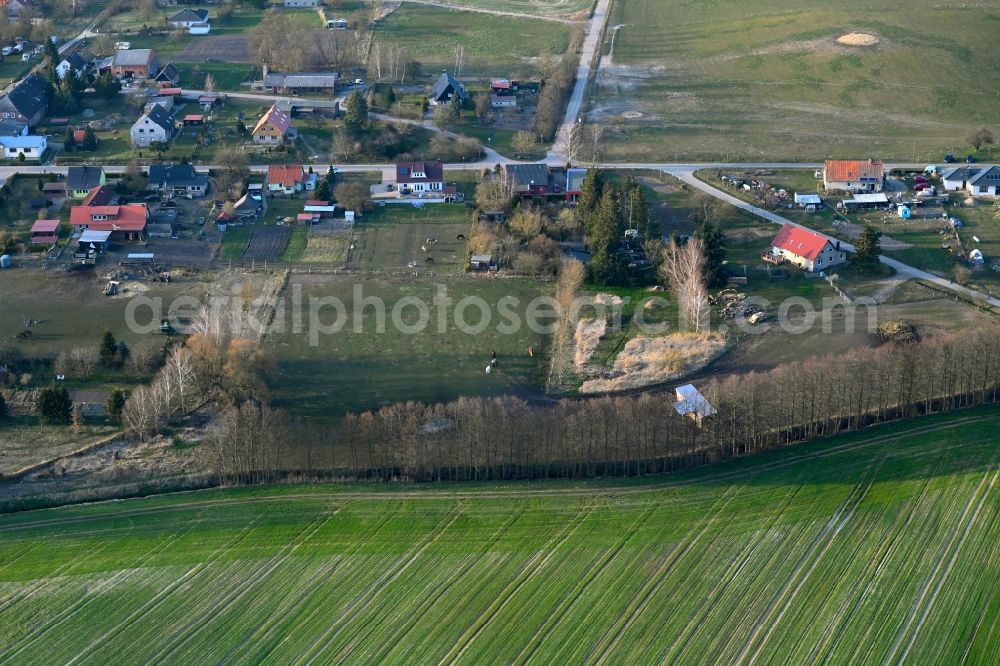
<point>977,181</point>
<point>806,249</point>
<point>186,18</point>
<point>32,147</point>
<point>155,125</point>
<point>419,177</point>
<point>73,61</point>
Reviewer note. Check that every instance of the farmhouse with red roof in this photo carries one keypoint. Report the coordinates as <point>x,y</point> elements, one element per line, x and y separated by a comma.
<point>807,249</point>
<point>853,176</point>
<point>125,222</point>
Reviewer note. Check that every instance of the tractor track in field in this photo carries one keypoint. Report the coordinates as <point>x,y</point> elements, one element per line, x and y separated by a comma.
<point>378,528</point>
<point>184,634</point>
<point>807,565</point>
<point>296,606</point>
<point>526,574</point>
<point>869,575</point>
<point>52,579</point>
<point>637,605</point>
<point>941,571</point>
<point>387,577</point>
<point>741,560</point>
<point>95,593</point>
<point>161,596</point>
<point>392,640</point>
<point>569,599</point>
<point>435,495</point>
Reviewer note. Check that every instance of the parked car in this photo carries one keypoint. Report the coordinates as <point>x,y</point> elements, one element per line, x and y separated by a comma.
<point>949,158</point>
<point>970,159</point>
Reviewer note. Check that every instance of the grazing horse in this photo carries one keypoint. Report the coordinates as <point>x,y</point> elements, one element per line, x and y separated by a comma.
<point>489,369</point>
<point>423,247</point>
<point>429,260</point>
<point>460,237</point>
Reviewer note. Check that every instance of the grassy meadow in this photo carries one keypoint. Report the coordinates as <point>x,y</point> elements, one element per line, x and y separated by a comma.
<point>359,368</point>
<point>749,82</point>
<point>494,47</point>
<point>880,546</point>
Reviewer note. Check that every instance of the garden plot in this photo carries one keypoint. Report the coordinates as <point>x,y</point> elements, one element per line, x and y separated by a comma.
<point>267,243</point>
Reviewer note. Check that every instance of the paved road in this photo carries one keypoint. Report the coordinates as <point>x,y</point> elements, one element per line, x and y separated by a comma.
<point>589,50</point>
<point>686,174</point>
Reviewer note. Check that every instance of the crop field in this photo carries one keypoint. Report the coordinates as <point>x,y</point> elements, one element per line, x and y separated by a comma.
<point>359,367</point>
<point>740,81</point>
<point>879,547</point>
<point>267,243</point>
<point>493,46</point>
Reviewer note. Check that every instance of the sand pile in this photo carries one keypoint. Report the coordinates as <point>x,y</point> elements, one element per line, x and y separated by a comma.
<point>587,336</point>
<point>646,361</point>
<point>858,39</point>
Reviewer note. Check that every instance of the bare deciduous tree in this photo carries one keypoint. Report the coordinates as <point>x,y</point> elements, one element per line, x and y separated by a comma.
<point>683,269</point>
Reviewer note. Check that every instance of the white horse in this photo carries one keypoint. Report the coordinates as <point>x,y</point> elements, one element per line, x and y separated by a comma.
<point>489,369</point>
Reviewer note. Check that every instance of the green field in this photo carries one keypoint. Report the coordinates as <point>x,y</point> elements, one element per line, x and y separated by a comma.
<point>353,370</point>
<point>740,81</point>
<point>559,8</point>
<point>494,47</point>
<point>876,547</point>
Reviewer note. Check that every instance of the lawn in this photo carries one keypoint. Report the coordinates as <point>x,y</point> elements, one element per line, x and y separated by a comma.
<point>361,368</point>
<point>26,443</point>
<point>736,81</point>
<point>875,547</point>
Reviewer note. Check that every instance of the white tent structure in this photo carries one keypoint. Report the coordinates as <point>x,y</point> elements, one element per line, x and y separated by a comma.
<point>690,402</point>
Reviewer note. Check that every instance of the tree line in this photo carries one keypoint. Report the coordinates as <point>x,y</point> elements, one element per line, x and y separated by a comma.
<point>506,438</point>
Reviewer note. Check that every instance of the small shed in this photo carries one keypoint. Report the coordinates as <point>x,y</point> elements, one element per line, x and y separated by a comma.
<point>44,232</point>
<point>691,403</point>
<point>194,119</point>
<point>807,199</point>
<point>481,262</point>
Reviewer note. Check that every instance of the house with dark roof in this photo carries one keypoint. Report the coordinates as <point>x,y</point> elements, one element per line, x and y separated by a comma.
<point>27,102</point>
<point>853,176</point>
<point>185,18</point>
<point>134,63</point>
<point>977,181</point>
<point>10,127</point>
<point>80,180</point>
<point>168,75</point>
<point>446,87</point>
<point>528,179</point>
<point>419,177</point>
<point>181,180</point>
<point>154,125</point>
<point>300,83</point>
<point>807,249</point>
<point>73,62</point>
<point>273,127</point>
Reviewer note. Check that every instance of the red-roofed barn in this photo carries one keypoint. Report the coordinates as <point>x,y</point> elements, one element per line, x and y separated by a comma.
<point>44,232</point>
<point>807,249</point>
